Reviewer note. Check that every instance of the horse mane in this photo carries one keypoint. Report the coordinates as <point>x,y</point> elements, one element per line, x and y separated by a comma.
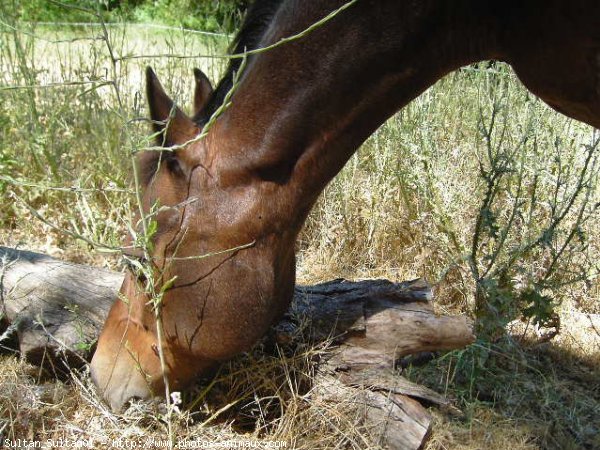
<point>256,21</point>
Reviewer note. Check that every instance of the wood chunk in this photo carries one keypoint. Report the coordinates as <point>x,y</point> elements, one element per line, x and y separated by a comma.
<point>57,310</point>
<point>395,421</point>
<point>55,307</point>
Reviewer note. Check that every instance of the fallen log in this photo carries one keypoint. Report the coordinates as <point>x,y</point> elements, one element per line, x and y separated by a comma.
<point>57,308</point>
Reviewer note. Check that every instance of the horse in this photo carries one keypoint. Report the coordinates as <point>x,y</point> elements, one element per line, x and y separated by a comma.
<point>236,180</point>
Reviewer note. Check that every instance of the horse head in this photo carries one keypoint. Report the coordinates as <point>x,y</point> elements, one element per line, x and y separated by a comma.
<point>204,287</point>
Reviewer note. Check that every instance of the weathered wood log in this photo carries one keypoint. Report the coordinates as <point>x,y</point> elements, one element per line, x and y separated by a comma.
<point>378,321</point>
<point>373,323</point>
<point>57,309</point>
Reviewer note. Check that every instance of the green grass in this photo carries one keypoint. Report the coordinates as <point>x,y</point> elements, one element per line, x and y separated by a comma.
<point>405,206</point>
<point>525,397</point>
<point>80,134</point>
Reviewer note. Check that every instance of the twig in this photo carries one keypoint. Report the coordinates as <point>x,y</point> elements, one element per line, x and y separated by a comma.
<point>54,85</point>
<point>130,24</point>
<point>279,43</point>
<point>38,216</point>
<point>74,189</point>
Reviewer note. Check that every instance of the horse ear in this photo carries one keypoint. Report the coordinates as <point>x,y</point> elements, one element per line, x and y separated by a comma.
<point>167,119</point>
<point>202,92</point>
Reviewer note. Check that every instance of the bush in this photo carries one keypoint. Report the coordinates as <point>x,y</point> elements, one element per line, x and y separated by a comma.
<point>195,14</point>
<point>205,15</point>
<point>69,11</point>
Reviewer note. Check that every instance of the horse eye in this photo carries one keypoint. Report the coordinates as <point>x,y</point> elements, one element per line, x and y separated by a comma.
<point>173,165</point>
<point>134,268</point>
<point>141,277</point>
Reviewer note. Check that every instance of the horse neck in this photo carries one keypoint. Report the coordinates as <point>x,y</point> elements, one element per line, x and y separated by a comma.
<point>302,109</point>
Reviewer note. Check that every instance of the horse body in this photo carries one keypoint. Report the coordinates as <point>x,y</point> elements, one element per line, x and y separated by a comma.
<point>297,114</point>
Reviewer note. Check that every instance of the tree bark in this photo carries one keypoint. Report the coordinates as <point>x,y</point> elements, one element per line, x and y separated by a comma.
<point>56,310</point>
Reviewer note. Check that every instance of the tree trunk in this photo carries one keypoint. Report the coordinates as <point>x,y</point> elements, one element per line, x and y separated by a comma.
<point>56,310</point>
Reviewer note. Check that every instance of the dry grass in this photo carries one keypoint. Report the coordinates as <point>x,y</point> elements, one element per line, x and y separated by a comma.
<point>260,397</point>
<point>402,208</point>
<point>530,396</point>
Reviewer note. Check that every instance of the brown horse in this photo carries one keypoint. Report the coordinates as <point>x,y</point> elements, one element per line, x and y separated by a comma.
<point>298,113</point>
